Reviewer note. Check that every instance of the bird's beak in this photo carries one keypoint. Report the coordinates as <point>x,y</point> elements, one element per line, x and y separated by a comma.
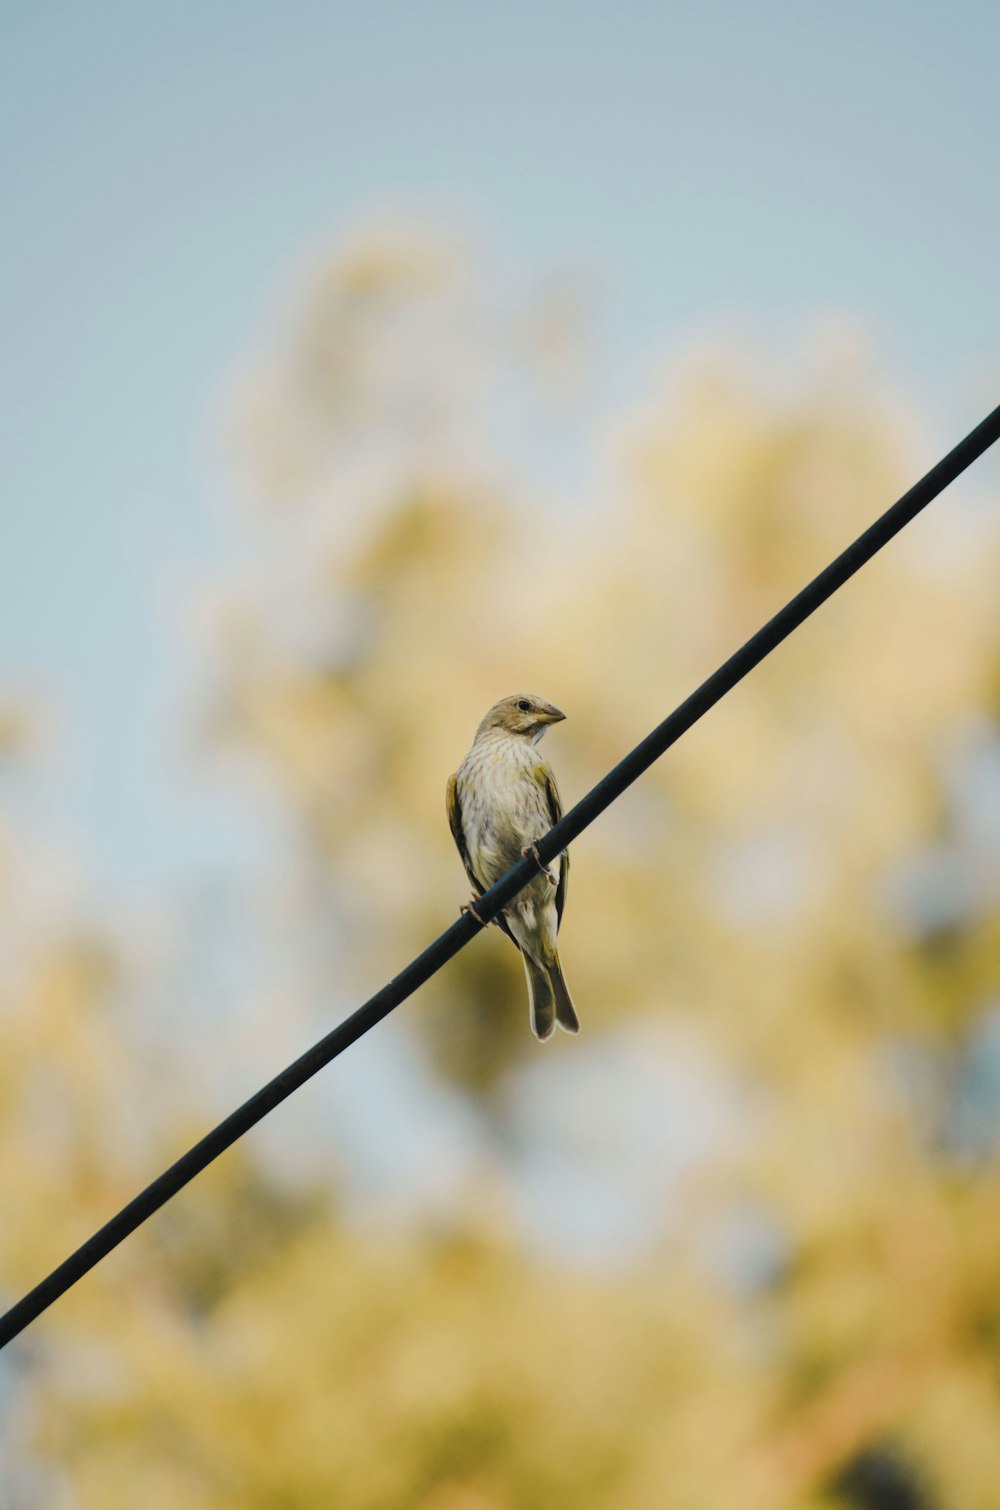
<point>548,713</point>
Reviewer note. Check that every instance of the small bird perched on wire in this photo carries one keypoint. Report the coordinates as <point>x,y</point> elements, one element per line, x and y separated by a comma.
<point>501,801</point>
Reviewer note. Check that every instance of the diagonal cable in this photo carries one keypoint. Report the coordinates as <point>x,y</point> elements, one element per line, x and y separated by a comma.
<point>491,902</point>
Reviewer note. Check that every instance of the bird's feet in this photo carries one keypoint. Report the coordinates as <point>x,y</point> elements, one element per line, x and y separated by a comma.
<point>470,908</point>
<point>532,849</point>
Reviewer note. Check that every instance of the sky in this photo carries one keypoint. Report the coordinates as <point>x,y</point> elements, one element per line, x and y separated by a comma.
<point>169,171</point>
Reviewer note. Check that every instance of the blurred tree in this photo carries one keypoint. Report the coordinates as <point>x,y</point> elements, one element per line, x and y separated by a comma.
<point>880,1480</point>
<point>808,882</point>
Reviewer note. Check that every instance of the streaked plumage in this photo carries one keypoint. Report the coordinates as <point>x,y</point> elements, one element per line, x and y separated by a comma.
<point>502,800</point>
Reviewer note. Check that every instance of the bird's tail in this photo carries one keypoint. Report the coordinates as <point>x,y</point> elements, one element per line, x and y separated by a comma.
<point>549,1000</point>
<point>565,1010</point>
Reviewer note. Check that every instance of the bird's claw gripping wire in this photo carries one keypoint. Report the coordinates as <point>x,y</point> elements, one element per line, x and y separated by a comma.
<point>550,875</point>
<point>468,907</point>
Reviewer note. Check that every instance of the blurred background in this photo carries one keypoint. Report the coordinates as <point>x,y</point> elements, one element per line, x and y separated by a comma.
<point>361,365</point>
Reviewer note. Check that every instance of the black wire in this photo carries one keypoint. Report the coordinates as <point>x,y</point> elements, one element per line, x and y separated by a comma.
<point>491,902</point>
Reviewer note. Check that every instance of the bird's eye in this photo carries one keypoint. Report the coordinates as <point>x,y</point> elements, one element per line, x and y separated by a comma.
<point>524,705</point>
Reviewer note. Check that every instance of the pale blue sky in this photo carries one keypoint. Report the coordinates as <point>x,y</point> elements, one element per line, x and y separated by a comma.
<point>167,170</point>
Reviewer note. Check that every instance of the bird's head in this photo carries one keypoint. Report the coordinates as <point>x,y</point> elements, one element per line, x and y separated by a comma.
<point>521,714</point>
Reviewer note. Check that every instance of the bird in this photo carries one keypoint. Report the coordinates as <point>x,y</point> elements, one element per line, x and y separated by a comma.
<point>502,799</point>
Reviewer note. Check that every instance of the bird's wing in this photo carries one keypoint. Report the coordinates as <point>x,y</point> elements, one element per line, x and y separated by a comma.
<point>556,812</point>
<point>458,834</point>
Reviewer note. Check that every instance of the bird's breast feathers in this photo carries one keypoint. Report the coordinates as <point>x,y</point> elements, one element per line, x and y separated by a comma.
<point>502,790</point>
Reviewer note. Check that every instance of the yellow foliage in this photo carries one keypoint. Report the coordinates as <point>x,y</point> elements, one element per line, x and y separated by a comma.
<point>762,886</point>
